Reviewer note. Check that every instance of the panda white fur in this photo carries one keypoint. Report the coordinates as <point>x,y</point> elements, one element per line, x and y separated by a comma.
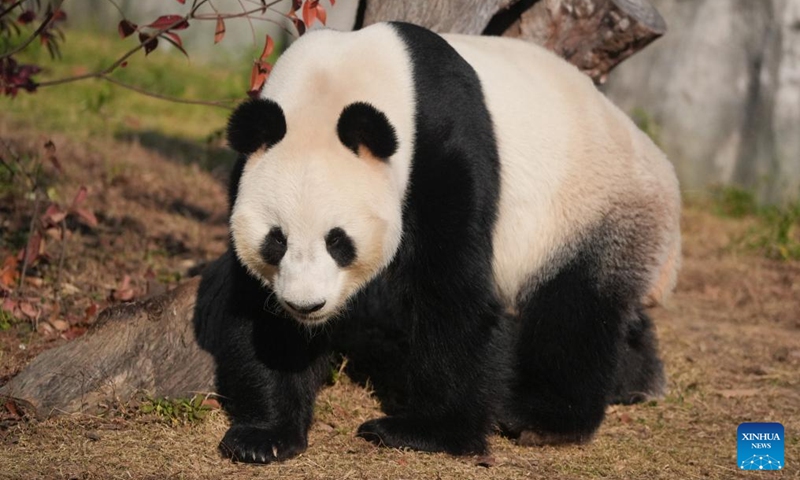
<point>518,220</point>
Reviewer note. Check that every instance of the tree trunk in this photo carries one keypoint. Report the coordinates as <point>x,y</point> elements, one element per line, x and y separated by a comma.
<point>454,16</point>
<point>152,345</point>
<point>594,35</point>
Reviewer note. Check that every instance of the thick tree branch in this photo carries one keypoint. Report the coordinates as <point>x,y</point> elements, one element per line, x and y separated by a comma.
<point>594,35</point>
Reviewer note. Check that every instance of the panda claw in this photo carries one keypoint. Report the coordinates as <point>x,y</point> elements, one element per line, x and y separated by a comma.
<point>275,451</point>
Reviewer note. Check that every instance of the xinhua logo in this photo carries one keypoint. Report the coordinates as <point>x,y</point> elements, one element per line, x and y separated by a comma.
<point>760,446</point>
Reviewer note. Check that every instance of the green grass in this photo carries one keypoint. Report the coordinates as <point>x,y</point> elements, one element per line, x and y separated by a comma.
<point>178,410</point>
<point>93,107</point>
<point>647,124</point>
<point>776,233</point>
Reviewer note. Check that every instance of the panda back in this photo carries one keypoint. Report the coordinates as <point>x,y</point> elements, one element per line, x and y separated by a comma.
<point>569,161</point>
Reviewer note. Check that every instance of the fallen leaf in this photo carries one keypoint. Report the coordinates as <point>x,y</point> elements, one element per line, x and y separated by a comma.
<point>90,313</point>
<point>125,292</point>
<point>28,310</point>
<point>12,408</point>
<point>45,329</point>
<point>9,274</point>
<point>54,214</point>
<point>73,333</point>
<point>59,324</point>
<point>69,289</point>
<point>211,403</point>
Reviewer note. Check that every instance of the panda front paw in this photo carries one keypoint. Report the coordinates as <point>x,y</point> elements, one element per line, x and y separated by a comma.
<point>425,435</point>
<point>252,444</point>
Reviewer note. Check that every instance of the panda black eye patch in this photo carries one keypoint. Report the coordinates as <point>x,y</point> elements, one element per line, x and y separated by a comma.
<point>340,247</point>
<point>273,248</point>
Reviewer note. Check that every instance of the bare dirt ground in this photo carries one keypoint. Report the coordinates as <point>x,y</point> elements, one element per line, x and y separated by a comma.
<point>730,339</point>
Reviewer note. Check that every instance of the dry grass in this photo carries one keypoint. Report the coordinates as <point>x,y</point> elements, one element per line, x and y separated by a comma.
<point>730,339</point>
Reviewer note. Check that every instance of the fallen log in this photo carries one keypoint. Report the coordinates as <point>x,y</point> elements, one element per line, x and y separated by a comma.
<point>146,346</point>
<point>152,346</point>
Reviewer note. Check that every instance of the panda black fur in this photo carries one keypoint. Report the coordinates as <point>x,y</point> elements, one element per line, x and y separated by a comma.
<point>478,190</point>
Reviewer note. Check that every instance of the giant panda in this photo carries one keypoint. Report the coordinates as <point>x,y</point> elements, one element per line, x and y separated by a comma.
<point>517,221</point>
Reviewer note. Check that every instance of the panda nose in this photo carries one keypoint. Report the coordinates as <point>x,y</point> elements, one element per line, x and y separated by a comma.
<point>304,309</point>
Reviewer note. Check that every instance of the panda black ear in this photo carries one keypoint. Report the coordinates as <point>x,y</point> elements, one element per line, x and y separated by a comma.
<point>363,126</point>
<point>256,123</point>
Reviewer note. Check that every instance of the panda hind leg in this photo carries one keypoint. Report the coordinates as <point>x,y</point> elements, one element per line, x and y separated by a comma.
<point>565,357</point>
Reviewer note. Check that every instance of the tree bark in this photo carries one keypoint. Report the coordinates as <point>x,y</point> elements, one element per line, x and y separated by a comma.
<point>455,16</point>
<point>594,35</point>
<point>152,345</point>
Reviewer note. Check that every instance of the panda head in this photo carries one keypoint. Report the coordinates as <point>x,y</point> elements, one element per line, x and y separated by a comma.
<point>316,213</point>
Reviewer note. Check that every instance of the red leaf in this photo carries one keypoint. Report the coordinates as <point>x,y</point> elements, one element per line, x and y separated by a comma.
<point>28,310</point>
<point>59,15</point>
<point>174,39</point>
<point>296,4</point>
<point>9,277</point>
<point>258,76</point>
<point>321,15</point>
<point>54,215</point>
<point>219,33</point>
<point>31,250</point>
<point>269,46</point>
<point>171,22</point>
<point>87,216</point>
<point>150,44</point>
<point>333,2</point>
<point>26,17</point>
<point>309,12</point>
<point>126,28</point>
<point>80,197</point>
<point>12,408</point>
<point>73,333</point>
<point>91,311</point>
<point>299,25</point>
<point>182,2</point>
<point>211,403</point>
<point>124,293</point>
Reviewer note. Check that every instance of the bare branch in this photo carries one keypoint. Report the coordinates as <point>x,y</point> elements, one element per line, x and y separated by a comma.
<point>12,7</point>
<point>227,104</point>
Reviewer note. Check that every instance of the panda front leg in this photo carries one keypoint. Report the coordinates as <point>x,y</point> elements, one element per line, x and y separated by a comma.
<point>565,355</point>
<point>269,368</point>
<point>448,407</point>
<point>268,380</point>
